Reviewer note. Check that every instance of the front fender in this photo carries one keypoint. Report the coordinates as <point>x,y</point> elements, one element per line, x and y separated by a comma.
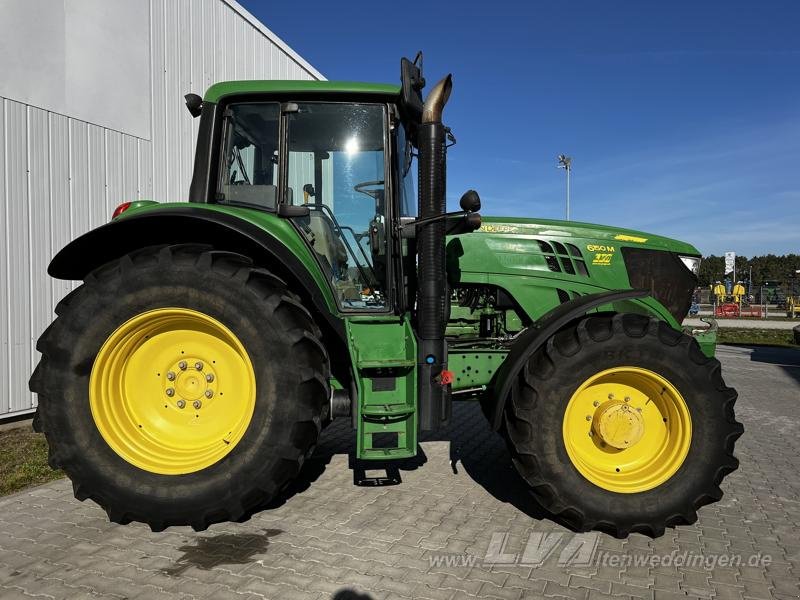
<point>535,336</point>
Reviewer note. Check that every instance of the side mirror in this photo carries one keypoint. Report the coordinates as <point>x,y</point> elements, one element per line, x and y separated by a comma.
<point>194,103</point>
<point>473,221</point>
<point>470,201</point>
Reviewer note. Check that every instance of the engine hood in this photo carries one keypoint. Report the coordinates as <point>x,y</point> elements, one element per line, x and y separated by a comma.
<point>533,259</point>
<point>602,234</point>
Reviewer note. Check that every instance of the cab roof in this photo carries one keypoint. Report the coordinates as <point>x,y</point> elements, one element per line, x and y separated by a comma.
<point>228,88</point>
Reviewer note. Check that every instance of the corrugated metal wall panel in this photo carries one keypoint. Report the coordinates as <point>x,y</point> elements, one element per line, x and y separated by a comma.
<point>40,221</point>
<point>61,177</point>
<point>145,184</point>
<point>172,98</point>
<point>197,60</point>
<point>185,85</point>
<point>96,164</point>
<point>130,166</point>
<point>114,170</point>
<point>60,201</point>
<point>79,176</point>
<point>158,99</point>
<point>217,31</point>
<point>18,252</point>
<point>207,40</point>
<point>5,312</point>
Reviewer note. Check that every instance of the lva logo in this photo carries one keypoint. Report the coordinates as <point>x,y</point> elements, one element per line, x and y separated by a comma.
<point>569,550</point>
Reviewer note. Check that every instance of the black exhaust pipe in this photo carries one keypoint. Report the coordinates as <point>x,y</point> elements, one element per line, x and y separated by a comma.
<point>434,396</point>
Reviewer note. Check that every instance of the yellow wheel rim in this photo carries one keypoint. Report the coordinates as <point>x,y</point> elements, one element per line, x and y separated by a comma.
<point>627,429</point>
<point>172,391</point>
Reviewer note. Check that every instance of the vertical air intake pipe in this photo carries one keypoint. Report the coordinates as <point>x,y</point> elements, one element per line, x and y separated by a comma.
<point>434,399</point>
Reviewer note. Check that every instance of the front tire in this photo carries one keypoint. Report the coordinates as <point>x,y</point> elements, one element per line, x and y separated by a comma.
<point>181,385</point>
<point>621,424</point>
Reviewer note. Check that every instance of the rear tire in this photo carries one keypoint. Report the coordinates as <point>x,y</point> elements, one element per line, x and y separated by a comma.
<point>538,436</point>
<point>280,428</point>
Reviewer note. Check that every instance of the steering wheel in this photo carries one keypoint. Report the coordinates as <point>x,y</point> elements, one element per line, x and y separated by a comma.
<point>375,194</point>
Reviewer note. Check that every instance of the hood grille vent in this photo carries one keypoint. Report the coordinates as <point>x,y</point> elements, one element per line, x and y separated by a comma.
<point>566,258</point>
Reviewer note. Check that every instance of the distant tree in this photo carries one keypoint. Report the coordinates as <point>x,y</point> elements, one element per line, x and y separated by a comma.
<point>711,269</point>
<point>769,267</point>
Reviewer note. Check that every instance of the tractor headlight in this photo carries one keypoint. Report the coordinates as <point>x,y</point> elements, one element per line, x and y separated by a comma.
<point>692,263</point>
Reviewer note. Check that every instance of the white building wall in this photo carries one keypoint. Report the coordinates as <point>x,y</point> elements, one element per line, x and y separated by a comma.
<point>61,176</point>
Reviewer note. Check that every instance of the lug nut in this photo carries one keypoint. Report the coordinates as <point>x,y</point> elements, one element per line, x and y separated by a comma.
<point>197,404</point>
<point>182,365</point>
<point>595,403</point>
<point>181,403</point>
<point>611,396</point>
<point>171,376</point>
<point>209,393</point>
<point>170,392</point>
<point>209,378</point>
<point>588,417</point>
<point>198,365</point>
<point>627,398</point>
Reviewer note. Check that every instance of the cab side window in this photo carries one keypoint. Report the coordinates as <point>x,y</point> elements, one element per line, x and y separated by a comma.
<point>249,169</point>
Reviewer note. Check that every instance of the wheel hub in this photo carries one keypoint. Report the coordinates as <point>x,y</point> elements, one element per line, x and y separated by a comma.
<point>191,383</point>
<point>627,429</point>
<point>618,424</point>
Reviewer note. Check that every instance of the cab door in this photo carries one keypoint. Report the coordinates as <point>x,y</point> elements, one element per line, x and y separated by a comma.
<point>338,165</point>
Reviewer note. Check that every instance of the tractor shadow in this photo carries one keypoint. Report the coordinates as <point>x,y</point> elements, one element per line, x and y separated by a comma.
<point>348,594</point>
<point>213,551</point>
<point>474,448</point>
<point>482,454</point>
<point>376,473</point>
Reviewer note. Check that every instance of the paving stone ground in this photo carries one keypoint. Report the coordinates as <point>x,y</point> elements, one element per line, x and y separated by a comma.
<point>442,533</point>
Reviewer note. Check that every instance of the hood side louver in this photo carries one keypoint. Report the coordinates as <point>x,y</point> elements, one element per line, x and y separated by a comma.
<point>566,258</point>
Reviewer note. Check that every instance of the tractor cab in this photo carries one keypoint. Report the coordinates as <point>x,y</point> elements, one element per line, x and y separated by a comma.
<point>335,159</point>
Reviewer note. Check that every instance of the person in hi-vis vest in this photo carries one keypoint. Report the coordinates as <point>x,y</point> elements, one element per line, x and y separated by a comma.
<point>719,291</point>
<point>738,292</point>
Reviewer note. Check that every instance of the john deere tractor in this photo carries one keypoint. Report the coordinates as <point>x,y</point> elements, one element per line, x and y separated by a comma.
<point>189,377</point>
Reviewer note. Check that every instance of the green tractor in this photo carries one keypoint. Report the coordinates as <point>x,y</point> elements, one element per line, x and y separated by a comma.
<point>189,377</point>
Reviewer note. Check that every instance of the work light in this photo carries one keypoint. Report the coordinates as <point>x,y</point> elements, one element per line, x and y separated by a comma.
<point>692,263</point>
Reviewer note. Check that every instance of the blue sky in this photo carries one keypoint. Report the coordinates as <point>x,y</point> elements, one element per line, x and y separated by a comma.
<point>682,118</point>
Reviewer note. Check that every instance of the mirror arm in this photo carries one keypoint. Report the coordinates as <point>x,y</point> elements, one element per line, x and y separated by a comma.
<point>409,230</point>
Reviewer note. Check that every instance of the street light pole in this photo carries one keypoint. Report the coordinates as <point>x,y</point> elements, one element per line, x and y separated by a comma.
<point>565,162</point>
